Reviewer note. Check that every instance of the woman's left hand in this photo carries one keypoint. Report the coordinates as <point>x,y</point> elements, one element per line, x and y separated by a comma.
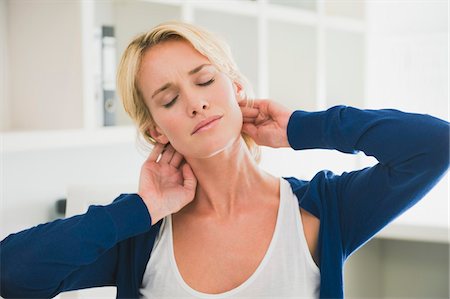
<point>266,122</point>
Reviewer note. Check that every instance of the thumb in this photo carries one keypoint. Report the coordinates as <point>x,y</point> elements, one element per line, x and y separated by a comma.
<point>190,181</point>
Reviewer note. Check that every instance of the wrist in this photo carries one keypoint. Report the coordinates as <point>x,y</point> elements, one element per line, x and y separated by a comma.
<point>155,215</point>
<point>285,141</point>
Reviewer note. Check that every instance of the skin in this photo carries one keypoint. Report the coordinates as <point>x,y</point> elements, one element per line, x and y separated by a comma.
<point>207,180</point>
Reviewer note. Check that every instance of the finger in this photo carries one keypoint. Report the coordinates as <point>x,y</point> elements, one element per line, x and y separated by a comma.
<point>167,154</point>
<point>190,181</point>
<point>156,151</point>
<point>176,159</point>
<point>249,120</point>
<point>250,129</point>
<point>249,112</point>
<point>242,102</point>
<point>255,103</point>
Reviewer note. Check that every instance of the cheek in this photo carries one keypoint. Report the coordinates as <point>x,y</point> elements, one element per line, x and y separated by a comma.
<point>174,131</point>
<point>233,107</point>
<point>228,96</point>
<point>228,99</point>
<point>237,118</point>
<point>170,129</point>
<point>163,123</point>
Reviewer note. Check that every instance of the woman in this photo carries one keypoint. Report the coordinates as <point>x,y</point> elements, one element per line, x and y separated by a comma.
<point>206,219</point>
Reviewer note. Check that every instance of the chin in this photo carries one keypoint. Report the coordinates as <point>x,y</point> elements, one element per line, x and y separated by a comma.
<point>216,145</point>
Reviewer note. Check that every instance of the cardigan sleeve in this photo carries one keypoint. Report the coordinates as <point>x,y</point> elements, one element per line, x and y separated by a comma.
<point>412,152</point>
<point>69,254</point>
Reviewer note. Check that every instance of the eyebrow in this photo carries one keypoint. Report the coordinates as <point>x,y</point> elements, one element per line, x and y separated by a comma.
<point>191,72</point>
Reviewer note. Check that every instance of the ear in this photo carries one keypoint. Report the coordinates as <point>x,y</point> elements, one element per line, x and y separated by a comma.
<point>237,88</point>
<point>156,133</point>
<point>237,91</point>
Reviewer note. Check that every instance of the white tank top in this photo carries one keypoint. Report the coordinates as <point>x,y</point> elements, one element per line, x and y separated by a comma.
<point>286,270</point>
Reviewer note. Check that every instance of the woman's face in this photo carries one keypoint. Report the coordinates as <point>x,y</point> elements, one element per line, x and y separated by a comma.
<point>182,88</point>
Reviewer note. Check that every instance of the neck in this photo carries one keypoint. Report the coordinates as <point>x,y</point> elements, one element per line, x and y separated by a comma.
<point>227,181</point>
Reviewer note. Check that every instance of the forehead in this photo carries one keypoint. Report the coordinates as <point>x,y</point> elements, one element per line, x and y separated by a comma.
<point>168,57</point>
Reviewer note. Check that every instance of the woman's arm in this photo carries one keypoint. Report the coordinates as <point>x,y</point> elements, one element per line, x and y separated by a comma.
<point>73,253</point>
<point>412,150</point>
<point>413,154</point>
<point>82,251</point>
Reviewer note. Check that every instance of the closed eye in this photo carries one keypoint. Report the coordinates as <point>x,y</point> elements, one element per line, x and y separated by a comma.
<point>174,99</point>
<point>207,83</point>
<point>171,102</point>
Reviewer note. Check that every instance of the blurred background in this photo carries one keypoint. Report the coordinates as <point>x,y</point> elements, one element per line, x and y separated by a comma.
<point>64,134</point>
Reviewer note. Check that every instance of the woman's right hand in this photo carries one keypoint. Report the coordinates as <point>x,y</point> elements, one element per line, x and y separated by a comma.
<point>266,122</point>
<point>166,185</point>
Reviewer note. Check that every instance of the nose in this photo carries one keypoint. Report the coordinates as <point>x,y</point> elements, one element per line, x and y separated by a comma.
<point>197,106</point>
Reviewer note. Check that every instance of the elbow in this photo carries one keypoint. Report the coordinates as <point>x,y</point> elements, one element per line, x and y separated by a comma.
<point>11,276</point>
<point>16,279</point>
<point>14,285</point>
<point>439,156</point>
<point>8,289</point>
<point>432,158</point>
<point>444,148</point>
<point>6,271</point>
<point>8,281</point>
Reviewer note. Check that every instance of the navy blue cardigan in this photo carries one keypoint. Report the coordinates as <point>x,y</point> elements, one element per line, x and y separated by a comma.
<point>111,245</point>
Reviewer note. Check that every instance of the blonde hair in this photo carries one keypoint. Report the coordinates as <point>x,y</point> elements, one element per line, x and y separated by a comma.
<point>207,44</point>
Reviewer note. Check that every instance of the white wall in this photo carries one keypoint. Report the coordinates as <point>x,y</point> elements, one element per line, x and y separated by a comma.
<point>407,56</point>
<point>35,180</point>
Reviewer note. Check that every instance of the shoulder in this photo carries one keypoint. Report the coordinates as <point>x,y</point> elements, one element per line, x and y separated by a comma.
<point>322,177</point>
<point>312,194</point>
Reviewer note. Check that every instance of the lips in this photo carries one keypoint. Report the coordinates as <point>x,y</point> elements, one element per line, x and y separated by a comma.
<point>205,122</point>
